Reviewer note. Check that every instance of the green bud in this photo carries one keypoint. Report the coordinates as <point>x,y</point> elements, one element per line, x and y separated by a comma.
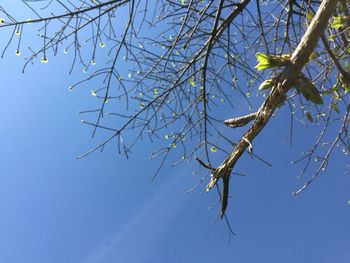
<point>267,84</point>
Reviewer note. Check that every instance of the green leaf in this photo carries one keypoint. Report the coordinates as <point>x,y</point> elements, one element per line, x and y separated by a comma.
<point>339,21</point>
<point>346,87</point>
<point>309,17</point>
<point>331,38</point>
<point>213,149</point>
<point>270,61</point>
<point>309,91</point>
<point>309,116</point>
<point>192,82</point>
<point>267,84</point>
<point>336,108</point>
<point>346,63</point>
<point>263,61</point>
<point>44,60</point>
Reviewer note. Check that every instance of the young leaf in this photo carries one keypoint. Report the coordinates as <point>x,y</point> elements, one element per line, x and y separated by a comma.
<point>309,91</point>
<point>271,61</point>
<point>192,82</point>
<point>309,116</point>
<point>263,60</point>
<point>339,21</point>
<point>267,84</point>
<point>336,108</point>
<point>309,17</point>
<point>44,60</point>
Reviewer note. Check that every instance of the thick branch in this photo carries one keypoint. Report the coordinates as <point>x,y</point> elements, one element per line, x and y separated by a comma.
<point>284,82</point>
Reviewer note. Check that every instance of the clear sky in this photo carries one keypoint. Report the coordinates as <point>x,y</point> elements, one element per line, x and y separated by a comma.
<point>103,208</point>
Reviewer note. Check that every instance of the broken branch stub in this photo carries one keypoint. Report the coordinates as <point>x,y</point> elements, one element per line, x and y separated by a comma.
<point>240,121</point>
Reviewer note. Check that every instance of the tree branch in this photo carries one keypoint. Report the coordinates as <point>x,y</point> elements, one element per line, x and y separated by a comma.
<point>277,95</point>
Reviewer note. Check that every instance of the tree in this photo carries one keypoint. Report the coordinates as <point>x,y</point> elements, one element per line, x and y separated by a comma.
<point>189,61</point>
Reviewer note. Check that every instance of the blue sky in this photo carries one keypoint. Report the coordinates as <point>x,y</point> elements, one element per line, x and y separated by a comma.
<point>103,208</point>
